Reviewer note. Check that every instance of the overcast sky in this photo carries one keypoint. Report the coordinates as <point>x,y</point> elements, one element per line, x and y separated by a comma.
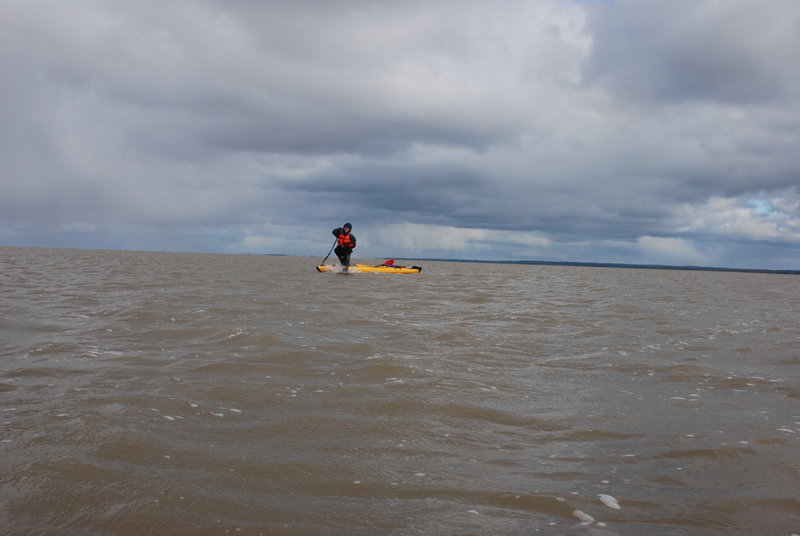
<point>634,131</point>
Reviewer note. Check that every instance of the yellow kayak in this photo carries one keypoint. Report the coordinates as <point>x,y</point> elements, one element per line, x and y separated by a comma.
<point>381,268</point>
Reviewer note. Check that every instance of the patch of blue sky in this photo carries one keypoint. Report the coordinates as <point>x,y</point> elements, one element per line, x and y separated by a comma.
<point>761,207</point>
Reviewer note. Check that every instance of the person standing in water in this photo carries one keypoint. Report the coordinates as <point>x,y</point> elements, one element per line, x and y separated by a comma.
<point>345,242</point>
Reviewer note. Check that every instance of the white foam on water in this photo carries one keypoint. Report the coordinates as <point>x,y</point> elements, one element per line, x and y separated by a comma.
<point>235,332</point>
<point>609,501</point>
<point>97,352</point>
<point>585,518</point>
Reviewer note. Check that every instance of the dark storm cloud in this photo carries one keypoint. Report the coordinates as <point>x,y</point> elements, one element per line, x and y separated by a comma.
<point>735,52</point>
<point>435,195</point>
<point>621,131</point>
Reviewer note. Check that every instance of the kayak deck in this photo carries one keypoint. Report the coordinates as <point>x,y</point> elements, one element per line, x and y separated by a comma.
<point>365,268</point>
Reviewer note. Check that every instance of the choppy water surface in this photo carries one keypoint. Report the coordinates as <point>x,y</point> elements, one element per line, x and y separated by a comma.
<point>190,394</point>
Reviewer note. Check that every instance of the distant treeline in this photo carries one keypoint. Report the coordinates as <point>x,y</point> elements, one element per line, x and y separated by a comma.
<point>619,265</point>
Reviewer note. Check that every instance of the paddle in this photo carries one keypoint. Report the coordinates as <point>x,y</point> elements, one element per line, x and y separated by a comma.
<point>329,253</point>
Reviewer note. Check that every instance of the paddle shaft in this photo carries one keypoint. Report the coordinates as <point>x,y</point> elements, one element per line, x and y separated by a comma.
<point>329,253</point>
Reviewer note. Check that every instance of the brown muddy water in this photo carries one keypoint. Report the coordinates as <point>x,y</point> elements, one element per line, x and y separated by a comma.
<point>193,394</point>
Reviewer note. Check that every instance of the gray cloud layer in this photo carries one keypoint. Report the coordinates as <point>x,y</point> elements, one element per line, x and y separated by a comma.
<point>623,131</point>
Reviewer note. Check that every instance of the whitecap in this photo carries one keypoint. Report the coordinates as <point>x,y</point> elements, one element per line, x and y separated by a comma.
<point>585,518</point>
<point>609,501</point>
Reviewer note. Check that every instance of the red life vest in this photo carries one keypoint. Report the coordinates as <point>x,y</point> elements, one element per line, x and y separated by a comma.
<point>344,240</point>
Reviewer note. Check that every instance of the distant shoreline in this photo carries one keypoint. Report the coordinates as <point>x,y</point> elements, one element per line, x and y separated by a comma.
<point>528,262</point>
<point>622,265</point>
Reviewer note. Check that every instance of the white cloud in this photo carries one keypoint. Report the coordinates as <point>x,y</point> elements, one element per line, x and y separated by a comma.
<point>672,251</point>
<point>748,217</point>
<point>433,240</point>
